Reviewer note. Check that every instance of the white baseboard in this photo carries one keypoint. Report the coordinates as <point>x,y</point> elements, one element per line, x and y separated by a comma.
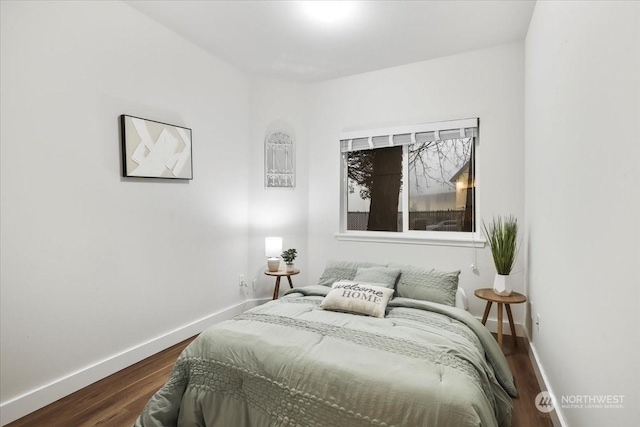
<point>556,415</point>
<point>33,400</point>
<point>492,326</point>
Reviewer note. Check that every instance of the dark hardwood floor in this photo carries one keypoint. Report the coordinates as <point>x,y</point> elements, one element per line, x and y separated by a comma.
<point>114,401</point>
<point>118,399</point>
<point>525,413</point>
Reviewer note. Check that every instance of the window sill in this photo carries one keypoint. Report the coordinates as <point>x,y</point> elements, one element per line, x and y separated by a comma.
<point>435,238</point>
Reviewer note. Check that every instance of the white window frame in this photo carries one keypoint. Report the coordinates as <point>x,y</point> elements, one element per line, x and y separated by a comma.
<point>406,236</point>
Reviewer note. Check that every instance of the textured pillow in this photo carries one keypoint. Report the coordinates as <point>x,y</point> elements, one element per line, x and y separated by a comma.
<point>427,284</point>
<point>384,276</point>
<point>342,270</point>
<point>360,298</point>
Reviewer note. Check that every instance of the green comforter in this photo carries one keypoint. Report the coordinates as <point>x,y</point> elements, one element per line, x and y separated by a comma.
<point>290,363</point>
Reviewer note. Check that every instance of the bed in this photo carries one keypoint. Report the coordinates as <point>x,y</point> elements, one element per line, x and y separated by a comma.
<point>290,362</point>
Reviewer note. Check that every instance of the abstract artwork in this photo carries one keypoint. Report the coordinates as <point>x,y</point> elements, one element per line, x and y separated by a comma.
<point>153,149</point>
<point>279,161</point>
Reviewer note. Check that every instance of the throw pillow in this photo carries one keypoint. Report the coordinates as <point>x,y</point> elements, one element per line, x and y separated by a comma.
<point>427,284</point>
<point>385,276</point>
<point>359,298</point>
<point>342,270</point>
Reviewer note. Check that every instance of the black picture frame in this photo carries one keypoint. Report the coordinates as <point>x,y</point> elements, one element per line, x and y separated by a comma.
<point>153,149</point>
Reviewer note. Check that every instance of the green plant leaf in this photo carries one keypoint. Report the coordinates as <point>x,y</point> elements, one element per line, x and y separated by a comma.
<point>289,255</point>
<point>502,236</point>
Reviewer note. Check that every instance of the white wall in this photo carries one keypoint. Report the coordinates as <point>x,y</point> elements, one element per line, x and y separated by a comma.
<point>582,201</point>
<point>277,106</point>
<point>487,84</point>
<point>93,264</point>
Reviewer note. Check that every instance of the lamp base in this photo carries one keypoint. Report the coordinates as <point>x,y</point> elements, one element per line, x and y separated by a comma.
<point>273,264</point>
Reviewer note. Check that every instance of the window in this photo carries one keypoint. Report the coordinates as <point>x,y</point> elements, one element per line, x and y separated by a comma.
<point>374,202</point>
<point>410,180</point>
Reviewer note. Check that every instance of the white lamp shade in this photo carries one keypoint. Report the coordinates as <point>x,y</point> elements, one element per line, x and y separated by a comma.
<point>273,246</point>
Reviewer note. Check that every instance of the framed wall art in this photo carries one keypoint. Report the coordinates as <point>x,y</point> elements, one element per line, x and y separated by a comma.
<point>279,161</point>
<point>153,149</point>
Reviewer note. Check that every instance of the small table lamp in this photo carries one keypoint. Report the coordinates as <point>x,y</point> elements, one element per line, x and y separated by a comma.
<point>273,249</point>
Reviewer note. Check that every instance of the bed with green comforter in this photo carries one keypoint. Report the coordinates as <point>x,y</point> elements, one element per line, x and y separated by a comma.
<point>291,363</point>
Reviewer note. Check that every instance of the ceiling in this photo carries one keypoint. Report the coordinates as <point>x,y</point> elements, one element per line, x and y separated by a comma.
<point>279,39</point>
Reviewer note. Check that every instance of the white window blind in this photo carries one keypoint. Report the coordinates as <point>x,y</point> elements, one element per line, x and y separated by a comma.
<point>405,135</point>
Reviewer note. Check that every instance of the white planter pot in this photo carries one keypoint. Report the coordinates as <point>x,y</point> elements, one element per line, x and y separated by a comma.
<point>290,268</point>
<point>502,285</point>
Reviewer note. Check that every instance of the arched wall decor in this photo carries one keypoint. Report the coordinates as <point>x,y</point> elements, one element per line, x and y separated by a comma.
<point>279,161</point>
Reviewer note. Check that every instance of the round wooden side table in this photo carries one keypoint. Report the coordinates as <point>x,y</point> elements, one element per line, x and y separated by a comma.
<point>491,297</point>
<point>279,274</point>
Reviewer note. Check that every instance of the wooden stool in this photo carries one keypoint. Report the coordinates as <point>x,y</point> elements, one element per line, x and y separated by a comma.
<point>491,297</point>
<point>278,274</point>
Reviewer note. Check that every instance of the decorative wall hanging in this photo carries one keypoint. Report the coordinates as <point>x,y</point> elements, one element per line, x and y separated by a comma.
<point>279,161</point>
<point>153,149</point>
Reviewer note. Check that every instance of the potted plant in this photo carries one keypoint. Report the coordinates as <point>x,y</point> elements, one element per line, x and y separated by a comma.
<point>502,234</point>
<point>289,256</point>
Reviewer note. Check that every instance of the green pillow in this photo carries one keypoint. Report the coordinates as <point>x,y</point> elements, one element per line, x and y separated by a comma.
<point>384,276</point>
<point>427,284</point>
<point>342,270</point>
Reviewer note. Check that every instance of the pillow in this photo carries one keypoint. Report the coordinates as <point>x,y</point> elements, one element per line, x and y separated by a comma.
<point>427,284</point>
<point>342,270</point>
<point>383,276</point>
<point>360,298</point>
